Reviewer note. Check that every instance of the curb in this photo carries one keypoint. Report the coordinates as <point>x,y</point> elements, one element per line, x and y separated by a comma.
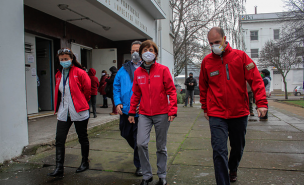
<point>282,101</point>
<point>38,148</point>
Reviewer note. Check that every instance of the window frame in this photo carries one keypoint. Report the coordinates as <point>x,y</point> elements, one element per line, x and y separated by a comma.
<point>257,35</point>
<point>254,54</point>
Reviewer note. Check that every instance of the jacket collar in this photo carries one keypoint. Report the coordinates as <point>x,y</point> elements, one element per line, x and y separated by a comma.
<point>143,66</point>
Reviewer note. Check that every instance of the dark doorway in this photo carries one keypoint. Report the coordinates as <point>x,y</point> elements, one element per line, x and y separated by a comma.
<point>44,73</point>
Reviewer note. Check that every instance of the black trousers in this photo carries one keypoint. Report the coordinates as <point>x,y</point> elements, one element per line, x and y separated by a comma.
<point>129,132</point>
<point>63,128</point>
<point>92,103</point>
<point>221,129</point>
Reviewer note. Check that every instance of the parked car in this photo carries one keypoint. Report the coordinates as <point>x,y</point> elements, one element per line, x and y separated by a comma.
<point>196,90</point>
<point>298,90</point>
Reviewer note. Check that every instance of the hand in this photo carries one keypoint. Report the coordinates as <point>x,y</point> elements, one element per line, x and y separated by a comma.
<point>131,119</point>
<point>262,111</point>
<point>118,108</point>
<point>137,109</point>
<point>171,118</point>
<point>207,117</point>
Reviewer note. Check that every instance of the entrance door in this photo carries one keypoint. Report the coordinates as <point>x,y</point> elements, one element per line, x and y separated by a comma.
<point>103,59</point>
<point>44,73</point>
<point>277,81</point>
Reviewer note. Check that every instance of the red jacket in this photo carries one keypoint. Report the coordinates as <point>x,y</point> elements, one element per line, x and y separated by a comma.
<point>152,90</point>
<point>222,84</point>
<point>102,85</point>
<point>80,88</point>
<point>94,81</point>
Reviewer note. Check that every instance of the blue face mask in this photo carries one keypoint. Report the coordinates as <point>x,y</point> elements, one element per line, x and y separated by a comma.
<point>65,64</point>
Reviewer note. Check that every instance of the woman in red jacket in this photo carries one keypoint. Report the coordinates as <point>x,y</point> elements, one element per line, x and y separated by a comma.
<point>94,87</point>
<point>151,86</point>
<point>102,86</point>
<point>72,93</point>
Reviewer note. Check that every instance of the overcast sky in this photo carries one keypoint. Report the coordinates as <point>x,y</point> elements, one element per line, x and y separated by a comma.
<point>264,6</point>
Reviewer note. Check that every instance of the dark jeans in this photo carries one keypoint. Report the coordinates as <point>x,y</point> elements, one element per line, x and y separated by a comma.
<point>129,132</point>
<point>221,129</point>
<point>189,93</point>
<point>63,128</point>
<point>105,103</point>
<point>92,103</point>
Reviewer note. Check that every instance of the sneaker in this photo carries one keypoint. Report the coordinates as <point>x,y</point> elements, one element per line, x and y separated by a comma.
<point>191,105</point>
<point>262,119</point>
<point>185,106</point>
<point>251,114</point>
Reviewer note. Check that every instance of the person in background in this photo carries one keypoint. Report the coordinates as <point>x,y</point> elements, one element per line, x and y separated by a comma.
<point>109,88</point>
<point>152,85</point>
<point>224,99</point>
<point>72,93</point>
<point>267,81</point>
<point>94,87</point>
<point>190,83</point>
<point>122,96</point>
<point>250,96</point>
<point>101,89</point>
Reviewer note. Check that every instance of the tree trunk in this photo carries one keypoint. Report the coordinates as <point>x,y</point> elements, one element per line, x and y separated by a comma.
<point>285,87</point>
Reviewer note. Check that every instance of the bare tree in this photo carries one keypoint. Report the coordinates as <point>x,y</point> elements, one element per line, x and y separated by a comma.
<point>281,56</point>
<point>294,21</point>
<point>191,21</point>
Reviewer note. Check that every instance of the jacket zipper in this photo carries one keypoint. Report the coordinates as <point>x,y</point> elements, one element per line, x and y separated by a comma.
<point>227,72</point>
<point>226,113</point>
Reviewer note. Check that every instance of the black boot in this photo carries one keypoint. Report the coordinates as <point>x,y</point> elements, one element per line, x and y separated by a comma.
<point>85,158</point>
<point>105,103</point>
<point>58,172</point>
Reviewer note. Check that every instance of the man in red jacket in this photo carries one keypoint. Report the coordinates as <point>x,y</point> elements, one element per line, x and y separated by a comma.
<point>224,99</point>
<point>94,87</point>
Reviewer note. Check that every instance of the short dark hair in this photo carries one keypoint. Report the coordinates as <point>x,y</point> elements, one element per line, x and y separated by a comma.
<point>218,30</point>
<point>148,43</point>
<point>135,42</point>
<point>190,73</point>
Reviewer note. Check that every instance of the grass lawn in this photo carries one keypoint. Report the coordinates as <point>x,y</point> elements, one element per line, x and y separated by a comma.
<point>297,102</point>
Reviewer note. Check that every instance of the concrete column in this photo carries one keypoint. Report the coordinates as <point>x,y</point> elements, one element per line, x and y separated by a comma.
<point>13,116</point>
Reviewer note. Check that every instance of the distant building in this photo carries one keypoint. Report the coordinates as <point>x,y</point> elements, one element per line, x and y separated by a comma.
<point>257,30</point>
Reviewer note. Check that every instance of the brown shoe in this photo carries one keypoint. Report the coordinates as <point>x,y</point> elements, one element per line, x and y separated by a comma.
<point>113,114</point>
<point>261,119</point>
<point>251,114</point>
<point>233,176</point>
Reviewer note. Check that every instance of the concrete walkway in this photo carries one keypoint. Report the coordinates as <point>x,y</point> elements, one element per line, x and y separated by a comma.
<point>274,154</point>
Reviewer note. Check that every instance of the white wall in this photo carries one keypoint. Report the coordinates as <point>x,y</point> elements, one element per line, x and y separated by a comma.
<point>168,60</point>
<point>13,117</point>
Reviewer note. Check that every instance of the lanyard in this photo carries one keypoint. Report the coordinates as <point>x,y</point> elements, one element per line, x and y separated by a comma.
<point>64,83</point>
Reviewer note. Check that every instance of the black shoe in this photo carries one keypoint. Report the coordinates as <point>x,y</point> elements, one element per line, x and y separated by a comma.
<point>83,166</point>
<point>95,116</point>
<point>58,172</point>
<point>138,172</point>
<point>146,182</point>
<point>162,181</point>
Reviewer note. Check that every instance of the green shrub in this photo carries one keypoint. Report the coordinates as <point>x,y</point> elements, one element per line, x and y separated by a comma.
<point>179,98</point>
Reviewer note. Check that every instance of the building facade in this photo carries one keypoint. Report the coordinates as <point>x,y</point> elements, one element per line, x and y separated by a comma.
<point>257,30</point>
<point>99,32</point>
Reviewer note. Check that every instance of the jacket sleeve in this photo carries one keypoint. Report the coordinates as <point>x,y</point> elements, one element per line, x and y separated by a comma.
<point>195,82</point>
<point>186,81</point>
<point>135,96</point>
<point>86,85</point>
<point>255,81</point>
<point>203,86</point>
<point>171,91</point>
<point>117,88</point>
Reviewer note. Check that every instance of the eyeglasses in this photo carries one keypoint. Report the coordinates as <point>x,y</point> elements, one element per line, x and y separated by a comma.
<point>63,51</point>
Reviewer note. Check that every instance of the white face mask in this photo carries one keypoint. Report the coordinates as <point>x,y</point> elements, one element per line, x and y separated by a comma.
<point>135,57</point>
<point>103,74</point>
<point>148,56</point>
<point>217,49</point>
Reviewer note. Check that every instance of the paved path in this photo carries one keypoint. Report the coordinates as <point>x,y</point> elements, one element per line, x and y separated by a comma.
<point>274,154</point>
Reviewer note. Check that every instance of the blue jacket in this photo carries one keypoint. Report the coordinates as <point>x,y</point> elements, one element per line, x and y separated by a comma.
<point>122,87</point>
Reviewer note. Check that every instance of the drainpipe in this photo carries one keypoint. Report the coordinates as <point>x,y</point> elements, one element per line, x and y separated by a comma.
<point>160,43</point>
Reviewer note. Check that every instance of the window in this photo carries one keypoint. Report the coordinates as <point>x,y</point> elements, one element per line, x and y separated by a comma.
<point>254,35</point>
<point>254,53</point>
<point>276,34</point>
